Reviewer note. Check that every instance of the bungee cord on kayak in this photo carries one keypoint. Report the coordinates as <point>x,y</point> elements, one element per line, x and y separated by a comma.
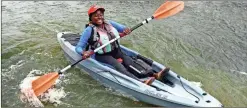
<point>187,90</point>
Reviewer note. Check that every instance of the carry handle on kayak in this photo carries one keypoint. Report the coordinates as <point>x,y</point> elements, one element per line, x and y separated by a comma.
<point>43,83</point>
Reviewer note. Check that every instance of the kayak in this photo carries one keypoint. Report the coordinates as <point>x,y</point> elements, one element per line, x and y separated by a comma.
<point>175,91</point>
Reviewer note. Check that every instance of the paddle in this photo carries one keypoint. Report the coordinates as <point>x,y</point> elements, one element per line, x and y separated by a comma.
<point>167,9</point>
<point>46,81</point>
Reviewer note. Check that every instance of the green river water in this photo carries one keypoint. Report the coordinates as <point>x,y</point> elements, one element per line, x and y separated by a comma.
<point>206,43</point>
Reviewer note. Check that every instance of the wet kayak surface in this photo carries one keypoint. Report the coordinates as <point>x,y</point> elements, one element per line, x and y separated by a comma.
<point>205,43</point>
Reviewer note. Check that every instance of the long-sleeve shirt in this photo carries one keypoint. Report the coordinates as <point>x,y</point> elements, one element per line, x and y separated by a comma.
<point>81,45</point>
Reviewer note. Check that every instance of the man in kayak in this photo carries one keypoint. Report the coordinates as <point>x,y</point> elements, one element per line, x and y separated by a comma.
<point>104,31</point>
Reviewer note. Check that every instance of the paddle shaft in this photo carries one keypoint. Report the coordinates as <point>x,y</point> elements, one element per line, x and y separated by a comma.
<point>142,23</point>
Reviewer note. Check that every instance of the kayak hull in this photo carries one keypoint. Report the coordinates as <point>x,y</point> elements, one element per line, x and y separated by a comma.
<point>159,94</point>
<point>125,90</point>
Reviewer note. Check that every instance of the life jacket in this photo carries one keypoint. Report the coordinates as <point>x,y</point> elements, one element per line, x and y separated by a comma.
<point>101,36</point>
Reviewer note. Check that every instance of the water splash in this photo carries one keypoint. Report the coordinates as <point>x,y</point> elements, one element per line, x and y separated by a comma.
<point>52,95</point>
<point>17,65</point>
<point>27,94</point>
<point>34,72</point>
<point>8,72</point>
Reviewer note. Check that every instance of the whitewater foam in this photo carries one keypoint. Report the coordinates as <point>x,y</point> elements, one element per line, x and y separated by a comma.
<point>52,95</point>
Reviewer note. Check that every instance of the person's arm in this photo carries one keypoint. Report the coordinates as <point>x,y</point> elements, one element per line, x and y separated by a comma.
<point>120,28</point>
<point>81,45</point>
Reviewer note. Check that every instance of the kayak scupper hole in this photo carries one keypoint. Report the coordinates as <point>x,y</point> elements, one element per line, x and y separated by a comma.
<point>196,101</point>
<point>204,94</point>
<point>208,101</point>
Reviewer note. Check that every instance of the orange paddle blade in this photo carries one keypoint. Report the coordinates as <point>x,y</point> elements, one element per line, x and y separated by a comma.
<point>169,8</point>
<point>44,82</point>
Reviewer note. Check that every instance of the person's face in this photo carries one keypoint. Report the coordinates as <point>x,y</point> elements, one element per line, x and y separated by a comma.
<point>98,17</point>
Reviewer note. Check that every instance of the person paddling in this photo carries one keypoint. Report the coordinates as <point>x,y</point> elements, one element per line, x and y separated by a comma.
<point>103,31</point>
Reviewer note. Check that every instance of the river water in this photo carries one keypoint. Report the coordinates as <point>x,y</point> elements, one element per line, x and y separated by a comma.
<point>206,43</point>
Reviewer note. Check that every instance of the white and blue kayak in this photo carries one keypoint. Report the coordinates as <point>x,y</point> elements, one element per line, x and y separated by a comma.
<point>175,91</point>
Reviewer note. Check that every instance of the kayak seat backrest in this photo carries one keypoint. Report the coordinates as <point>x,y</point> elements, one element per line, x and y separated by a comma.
<point>140,68</point>
<point>139,71</point>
